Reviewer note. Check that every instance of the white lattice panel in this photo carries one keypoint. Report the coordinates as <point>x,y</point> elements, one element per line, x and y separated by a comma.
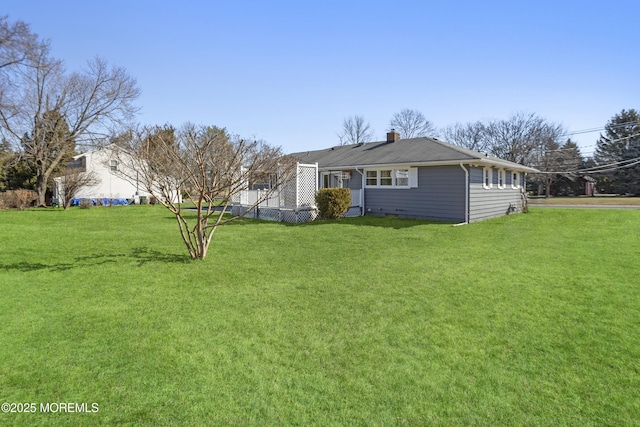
<point>292,203</point>
<point>307,184</point>
<point>269,214</point>
<point>288,194</point>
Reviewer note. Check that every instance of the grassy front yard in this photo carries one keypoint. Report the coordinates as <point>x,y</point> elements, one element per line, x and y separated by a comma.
<point>586,200</point>
<point>524,320</point>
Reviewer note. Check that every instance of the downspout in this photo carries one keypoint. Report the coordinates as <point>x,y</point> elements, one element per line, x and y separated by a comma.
<point>361,191</point>
<point>466,195</point>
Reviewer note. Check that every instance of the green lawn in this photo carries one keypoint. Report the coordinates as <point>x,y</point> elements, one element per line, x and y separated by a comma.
<point>586,200</point>
<point>524,320</point>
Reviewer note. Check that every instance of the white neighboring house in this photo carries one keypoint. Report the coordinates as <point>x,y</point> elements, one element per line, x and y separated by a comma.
<point>117,183</point>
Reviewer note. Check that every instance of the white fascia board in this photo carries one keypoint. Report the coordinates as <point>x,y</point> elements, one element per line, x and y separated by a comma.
<point>387,165</point>
<point>505,165</point>
<point>397,165</point>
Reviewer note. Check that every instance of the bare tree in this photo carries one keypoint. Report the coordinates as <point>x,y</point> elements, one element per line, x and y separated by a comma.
<point>470,135</point>
<point>523,138</point>
<point>18,47</point>
<point>44,112</point>
<point>17,43</point>
<point>208,166</point>
<point>411,124</point>
<point>73,181</point>
<point>355,131</point>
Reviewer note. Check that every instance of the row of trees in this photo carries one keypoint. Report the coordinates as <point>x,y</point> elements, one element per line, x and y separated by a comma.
<point>47,113</point>
<point>531,140</point>
<point>408,123</point>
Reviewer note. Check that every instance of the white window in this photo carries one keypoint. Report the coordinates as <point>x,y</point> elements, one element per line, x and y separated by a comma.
<point>487,179</point>
<point>500,178</point>
<point>372,178</point>
<point>386,178</point>
<point>515,178</point>
<point>402,178</point>
<point>113,165</point>
<point>326,181</point>
<point>334,179</point>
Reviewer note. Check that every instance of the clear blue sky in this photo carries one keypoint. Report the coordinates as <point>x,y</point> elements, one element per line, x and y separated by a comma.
<point>289,72</point>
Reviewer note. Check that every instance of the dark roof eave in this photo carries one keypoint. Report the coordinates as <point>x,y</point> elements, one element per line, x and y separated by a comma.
<point>478,161</point>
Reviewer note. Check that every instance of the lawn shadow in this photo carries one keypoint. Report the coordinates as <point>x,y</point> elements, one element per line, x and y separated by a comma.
<point>141,256</point>
<point>360,221</point>
<point>26,266</point>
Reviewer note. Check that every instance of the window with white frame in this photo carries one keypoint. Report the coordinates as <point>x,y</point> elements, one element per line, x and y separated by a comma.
<point>501,178</point>
<point>402,177</point>
<point>386,178</point>
<point>113,165</point>
<point>372,178</point>
<point>326,180</point>
<point>391,178</point>
<point>487,179</point>
<point>515,178</point>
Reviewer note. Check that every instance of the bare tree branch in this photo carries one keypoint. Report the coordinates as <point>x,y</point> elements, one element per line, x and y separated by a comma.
<point>45,112</point>
<point>411,124</point>
<point>73,181</point>
<point>355,131</point>
<point>470,135</point>
<point>523,138</point>
<point>208,166</point>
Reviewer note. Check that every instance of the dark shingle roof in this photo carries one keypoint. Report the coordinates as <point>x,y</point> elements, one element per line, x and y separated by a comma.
<point>404,151</point>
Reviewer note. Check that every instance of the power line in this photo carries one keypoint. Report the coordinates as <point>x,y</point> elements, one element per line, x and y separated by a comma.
<point>578,132</point>
<point>594,145</point>
<point>622,164</point>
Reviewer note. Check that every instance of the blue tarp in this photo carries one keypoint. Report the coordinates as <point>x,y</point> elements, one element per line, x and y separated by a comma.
<point>102,202</point>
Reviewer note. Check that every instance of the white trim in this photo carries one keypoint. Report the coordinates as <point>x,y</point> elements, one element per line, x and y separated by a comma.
<point>471,162</point>
<point>515,183</point>
<point>391,177</point>
<point>487,177</point>
<point>501,179</point>
<point>413,177</point>
<point>333,178</point>
<point>466,194</point>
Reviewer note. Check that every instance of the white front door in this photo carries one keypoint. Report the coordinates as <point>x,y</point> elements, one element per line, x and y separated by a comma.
<point>331,180</point>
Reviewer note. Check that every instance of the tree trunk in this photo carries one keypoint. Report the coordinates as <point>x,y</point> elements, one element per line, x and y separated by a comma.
<point>548,193</point>
<point>41,189</point>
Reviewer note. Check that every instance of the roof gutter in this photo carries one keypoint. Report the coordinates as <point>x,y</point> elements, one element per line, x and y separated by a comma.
<point>466,195</point>
<point>476,161</point>
<point>361,191</point>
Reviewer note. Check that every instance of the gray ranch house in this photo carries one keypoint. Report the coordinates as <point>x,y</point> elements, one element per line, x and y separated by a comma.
<point>420,178</point>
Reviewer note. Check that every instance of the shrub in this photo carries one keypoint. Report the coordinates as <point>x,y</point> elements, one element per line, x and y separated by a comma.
<point>17,199</point>
<point>86,203</point>
<point>333,202</point>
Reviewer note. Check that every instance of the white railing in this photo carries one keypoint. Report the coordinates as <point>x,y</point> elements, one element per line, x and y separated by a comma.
<point>250,197</point>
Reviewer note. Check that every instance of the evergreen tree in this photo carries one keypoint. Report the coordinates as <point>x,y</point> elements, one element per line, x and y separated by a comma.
<point>49,146</point>
<point>569,159</point>
<point>619,146</point>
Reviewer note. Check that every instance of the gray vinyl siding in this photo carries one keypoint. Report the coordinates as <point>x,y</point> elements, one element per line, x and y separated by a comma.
<point>439,196</point>
<point>355,183</point>
<point>489,203</point>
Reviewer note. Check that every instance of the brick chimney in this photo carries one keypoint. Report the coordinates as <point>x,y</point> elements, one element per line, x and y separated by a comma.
<point>393,136</point>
